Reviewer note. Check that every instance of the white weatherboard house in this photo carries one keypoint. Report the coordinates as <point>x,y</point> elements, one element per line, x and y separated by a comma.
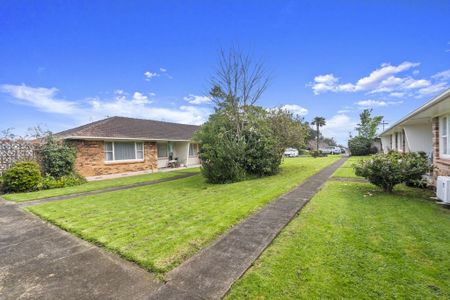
<point>425,129</point>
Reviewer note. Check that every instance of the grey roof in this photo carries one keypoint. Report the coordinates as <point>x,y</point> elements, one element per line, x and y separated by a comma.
<point>129,128</point>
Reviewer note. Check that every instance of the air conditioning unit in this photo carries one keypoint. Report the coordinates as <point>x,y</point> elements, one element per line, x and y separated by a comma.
<point>443,188</point>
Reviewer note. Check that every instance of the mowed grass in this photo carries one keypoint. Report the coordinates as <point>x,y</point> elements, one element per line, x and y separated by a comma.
<point>354,242</point>
<point>160,226</point>
<point>346,170</point>
<point>95,185</point>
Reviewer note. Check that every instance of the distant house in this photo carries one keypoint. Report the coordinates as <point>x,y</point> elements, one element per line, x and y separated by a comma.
<point>425,129</point>
<point>122,145</point>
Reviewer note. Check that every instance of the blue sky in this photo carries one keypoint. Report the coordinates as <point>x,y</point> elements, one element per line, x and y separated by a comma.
<point>67,63</point>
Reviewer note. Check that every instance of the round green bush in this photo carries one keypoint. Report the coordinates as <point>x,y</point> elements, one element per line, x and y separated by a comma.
<point>22,177</point>
<point>360,146</point>
<point>388,170</point>
<point>58,158</point>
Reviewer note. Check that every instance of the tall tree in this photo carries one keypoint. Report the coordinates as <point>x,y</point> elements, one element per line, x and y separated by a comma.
<point>367,128</point>
<point>318,122</point>
<point>238,83</point>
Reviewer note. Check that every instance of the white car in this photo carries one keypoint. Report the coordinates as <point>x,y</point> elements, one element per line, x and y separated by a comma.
<point>291,152</point>
<point>331,150</point>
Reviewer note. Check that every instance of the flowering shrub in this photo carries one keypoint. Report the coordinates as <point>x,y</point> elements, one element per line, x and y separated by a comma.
<point>388,170</point>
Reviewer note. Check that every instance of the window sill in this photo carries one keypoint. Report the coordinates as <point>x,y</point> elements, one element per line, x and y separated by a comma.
<point>163,158</point>
<point>129,161</point>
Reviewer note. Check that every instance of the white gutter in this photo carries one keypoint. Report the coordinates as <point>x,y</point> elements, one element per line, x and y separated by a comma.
<point>424,107</point>
<point>109,138</point>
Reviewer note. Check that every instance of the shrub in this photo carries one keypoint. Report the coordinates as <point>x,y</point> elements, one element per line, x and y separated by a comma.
<point>359,146</point>
<point>49,182</point>
<point>22,177</point>
<point>221,154</point>
<point>388,170</point>
<point>319,153</point>
<point>58,158</point>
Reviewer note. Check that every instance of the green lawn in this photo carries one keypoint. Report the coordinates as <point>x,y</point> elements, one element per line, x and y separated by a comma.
<point>354,242</point>
<point>160,226</point>
<point>94,185</point>
<point>346,170</point>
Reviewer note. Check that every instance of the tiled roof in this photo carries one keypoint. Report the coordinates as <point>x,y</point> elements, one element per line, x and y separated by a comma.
<point>121,127</point>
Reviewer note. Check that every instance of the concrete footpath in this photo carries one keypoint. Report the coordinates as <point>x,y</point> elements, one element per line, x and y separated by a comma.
<point>210,273</point>
<point>40,261</point>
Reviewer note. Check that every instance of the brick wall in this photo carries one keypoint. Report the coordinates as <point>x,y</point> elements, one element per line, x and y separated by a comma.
<point>91,160</point>
<point>441,166</point>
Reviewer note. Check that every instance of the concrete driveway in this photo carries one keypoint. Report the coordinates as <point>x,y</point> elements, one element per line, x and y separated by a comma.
<point>39,261</point>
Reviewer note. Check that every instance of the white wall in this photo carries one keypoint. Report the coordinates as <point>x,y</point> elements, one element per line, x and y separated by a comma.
<point>386,143</point>
<point>181,150</point>
<point>419,137</point>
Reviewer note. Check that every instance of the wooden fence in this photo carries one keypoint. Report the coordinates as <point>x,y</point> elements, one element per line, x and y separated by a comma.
<point>13,151</point>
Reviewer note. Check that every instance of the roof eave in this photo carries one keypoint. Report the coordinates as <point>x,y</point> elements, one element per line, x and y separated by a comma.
<point>104,138</point>
<point>437,99</point>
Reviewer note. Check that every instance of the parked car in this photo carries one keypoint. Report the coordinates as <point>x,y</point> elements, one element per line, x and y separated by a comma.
<point>291,152</point>
<point>331,150</point>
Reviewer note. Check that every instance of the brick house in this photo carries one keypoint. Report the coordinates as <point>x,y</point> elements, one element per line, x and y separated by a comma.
<point>425,129</point>
<point>119,145</point>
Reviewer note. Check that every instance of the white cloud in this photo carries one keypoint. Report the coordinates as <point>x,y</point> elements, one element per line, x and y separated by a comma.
<point>196,99</point>
<point>295,109</point>
<point>122,104</point>
<point>43,99</point>
<point>433,89</point>
<point>163,70</point>
<point>397,94</point>
<point>130,108</point>
<point>149,75</point>
<point>376,103</point>
<point>338,127</point>
<point>139,98</point>
<point>385,79</point>
<point>444,75</point>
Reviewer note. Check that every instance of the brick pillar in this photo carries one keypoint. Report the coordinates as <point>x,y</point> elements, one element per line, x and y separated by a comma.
<point>435,126</point>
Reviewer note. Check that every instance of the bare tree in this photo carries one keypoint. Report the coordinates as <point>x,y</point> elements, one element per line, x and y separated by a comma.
<point>7,134</point>
<point>37,132</point>
<point>238,83</point>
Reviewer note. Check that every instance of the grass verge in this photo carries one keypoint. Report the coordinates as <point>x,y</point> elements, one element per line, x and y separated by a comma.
<point>346,170</point>
<point>160,226</point>
<point>354,242</point>
<point>94,185</point>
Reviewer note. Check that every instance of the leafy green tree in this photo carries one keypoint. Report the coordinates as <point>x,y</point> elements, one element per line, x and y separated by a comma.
<point>367,131</point>
<point>368,125</point>
<point>289,129</point>
<point>318,122</point>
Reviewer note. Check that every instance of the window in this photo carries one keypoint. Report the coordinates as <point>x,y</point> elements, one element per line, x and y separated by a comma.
<point>122,151</point>
<point>162,150</point>
<point>139,150</point>
<point>443,132</point>
<point>193,149</point>
<point>109,151</point>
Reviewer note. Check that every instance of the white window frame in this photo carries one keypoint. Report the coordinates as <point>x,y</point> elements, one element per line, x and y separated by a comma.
<point>195,149</point>
<point>124,160</point>
<point>446,136</point>
<point>167,151</point>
